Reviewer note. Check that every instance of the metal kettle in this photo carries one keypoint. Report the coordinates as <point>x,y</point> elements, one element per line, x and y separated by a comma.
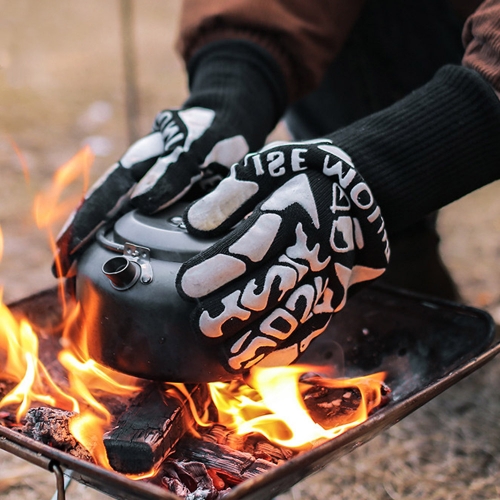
<point>135,320</point>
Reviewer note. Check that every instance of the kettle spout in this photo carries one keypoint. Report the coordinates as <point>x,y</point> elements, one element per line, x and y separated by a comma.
<point>121,272</point>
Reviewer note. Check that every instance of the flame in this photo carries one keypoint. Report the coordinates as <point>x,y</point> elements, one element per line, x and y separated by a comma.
<point>87,381</point>
<point>87,378</point>
<point>50,207</point>
<point>272,405</point>
<point>88,429</point>
<point>54,204</point>
<point>144,475</point>
<point>19,346</point>
<point>201,420</point>
<point>21,158</point>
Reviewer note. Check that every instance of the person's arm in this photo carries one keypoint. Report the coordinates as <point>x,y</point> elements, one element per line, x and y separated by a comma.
<point>310,219</point>
<point>481,38</point>
<point>303,37</point>
<point>429,149</point>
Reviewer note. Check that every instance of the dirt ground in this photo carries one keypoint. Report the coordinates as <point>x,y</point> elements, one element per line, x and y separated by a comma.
<point>62,86</point>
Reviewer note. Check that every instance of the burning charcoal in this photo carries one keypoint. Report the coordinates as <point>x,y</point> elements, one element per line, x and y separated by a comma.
<point>51,426</point>
<point>219,483</point>
<point>231,465</point>
<point>220,434</point>
<point>116,404</point>
<point>175,486</point>
<point>189,480</point>
<point>386,395</point>
<point>150,427</point>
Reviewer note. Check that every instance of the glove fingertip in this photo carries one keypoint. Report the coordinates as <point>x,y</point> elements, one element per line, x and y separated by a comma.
<point>145,204</point>
<point>201,220</point>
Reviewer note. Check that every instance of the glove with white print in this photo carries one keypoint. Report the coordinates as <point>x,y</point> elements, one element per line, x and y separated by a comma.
<point>232,107</point>
<point>270,286</point>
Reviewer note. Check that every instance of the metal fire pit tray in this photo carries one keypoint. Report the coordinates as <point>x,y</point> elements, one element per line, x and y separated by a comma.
<point>424,344</point>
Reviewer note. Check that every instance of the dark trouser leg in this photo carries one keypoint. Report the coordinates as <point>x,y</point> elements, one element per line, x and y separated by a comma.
<point>396,46</point>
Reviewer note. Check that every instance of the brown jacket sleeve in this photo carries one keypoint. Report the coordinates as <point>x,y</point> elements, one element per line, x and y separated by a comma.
<point>481,36</point>
<point>303,36</point>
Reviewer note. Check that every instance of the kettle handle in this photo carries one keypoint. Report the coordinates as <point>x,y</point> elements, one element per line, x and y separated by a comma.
<point>107,243</point>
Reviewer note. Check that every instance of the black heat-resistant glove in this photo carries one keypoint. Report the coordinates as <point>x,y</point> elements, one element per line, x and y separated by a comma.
<point>234,103</point>
<point>271,286</point>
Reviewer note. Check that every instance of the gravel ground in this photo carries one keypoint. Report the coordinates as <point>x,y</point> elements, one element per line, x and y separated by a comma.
<point>61,86</point>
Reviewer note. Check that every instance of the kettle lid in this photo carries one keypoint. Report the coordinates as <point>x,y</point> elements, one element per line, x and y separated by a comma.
<point>163,233</point>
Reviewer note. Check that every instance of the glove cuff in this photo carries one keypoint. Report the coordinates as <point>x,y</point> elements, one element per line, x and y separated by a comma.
<point>429,149</point>
<point>242,83</point>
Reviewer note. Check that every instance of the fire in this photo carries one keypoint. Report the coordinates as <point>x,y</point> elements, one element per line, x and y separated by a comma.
<point>86,381</point>
<point>49,206</point>
<point>272,404</point>
<point>86,378</point>
<point>21,158</point>
<point>19,346</point>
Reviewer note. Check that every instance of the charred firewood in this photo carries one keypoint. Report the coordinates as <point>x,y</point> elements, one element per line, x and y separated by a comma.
<point>335,406</point>
<point>229,465</point>
<point>260,447</point>
<point>254,444</point>
<point>51,426</point>
<point>150,427</point>
<point>331,406</point>
<point>191,479</point>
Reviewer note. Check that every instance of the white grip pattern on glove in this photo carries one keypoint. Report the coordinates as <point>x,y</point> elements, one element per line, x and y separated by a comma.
<point>272,284</point>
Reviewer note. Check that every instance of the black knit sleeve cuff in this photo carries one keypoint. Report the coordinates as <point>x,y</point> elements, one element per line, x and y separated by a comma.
<point>240,80</point>
<point>436,145</point>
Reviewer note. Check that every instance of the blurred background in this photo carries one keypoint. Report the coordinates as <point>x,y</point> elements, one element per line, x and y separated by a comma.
<point>63,85</point>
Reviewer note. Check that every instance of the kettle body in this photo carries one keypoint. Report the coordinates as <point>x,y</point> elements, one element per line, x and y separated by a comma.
<point>135,320</point>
